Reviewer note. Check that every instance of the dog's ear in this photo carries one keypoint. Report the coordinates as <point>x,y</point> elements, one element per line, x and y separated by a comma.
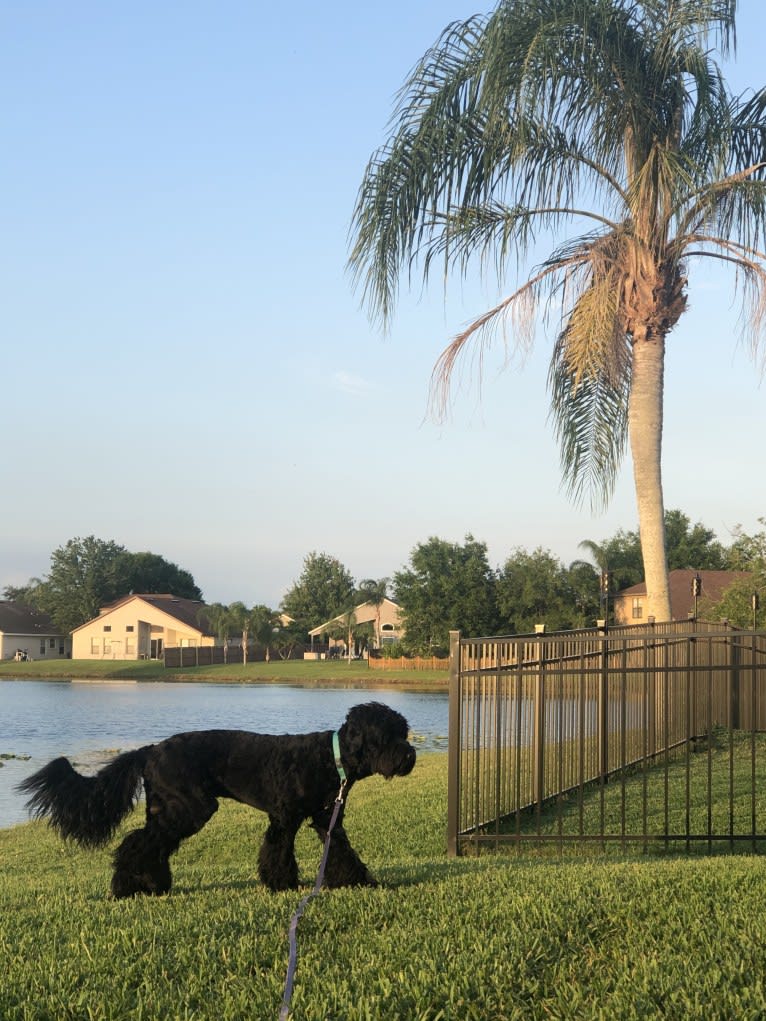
<point>352,738</point>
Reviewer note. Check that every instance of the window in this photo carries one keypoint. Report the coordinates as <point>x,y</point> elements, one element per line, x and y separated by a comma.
<point>130,647</point>
<point>107,646</point>
<point>42,646</point>
<point>95,646</point>
<point>52,643</point>
<point>129,628</point>
<point>107,627</point>
<point>638,609</point>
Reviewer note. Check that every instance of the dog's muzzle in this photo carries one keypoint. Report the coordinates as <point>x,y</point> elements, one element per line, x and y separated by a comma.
<point>402,760</point>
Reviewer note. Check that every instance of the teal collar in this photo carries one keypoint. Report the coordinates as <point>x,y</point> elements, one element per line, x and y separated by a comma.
<point>336,753</point>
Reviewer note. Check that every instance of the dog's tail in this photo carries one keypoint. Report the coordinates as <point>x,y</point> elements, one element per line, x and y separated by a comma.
<point>86,808</point>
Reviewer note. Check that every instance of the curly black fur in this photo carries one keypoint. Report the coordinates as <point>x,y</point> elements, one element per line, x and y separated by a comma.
<point>291,777</point>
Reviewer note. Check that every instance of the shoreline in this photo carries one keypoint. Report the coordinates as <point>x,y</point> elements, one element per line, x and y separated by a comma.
<point>291,672</point>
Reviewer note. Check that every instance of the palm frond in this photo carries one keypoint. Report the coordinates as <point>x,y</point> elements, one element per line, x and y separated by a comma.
<point>589,409</point>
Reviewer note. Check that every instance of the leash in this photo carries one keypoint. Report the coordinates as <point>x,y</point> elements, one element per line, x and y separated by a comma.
<point>293,934</point>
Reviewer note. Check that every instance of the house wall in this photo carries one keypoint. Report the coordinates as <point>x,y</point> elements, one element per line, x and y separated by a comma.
<point>36,646</point>
<point>134,630</point>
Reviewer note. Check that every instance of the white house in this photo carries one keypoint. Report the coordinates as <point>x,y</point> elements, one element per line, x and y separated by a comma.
<point>27,634</point>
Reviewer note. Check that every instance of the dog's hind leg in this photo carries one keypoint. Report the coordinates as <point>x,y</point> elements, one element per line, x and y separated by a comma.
<point>141,865</point>
<point>277,866</point>
<point>141,862</point>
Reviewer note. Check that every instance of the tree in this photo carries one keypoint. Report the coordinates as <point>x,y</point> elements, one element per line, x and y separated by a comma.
<point>151,573</point>
<point>374,592</point>
<point>692,546</point>
<point>262,622</point>
<point>686,546</point>
<point>324,589</point>
<point>535,588</point>
<point>746,553</point>
<point>607,116</point>
<point>84,576</point>
<point>446,587</point>
<point>217,618</point>
<point>239,622</point>
<point>287,638</point>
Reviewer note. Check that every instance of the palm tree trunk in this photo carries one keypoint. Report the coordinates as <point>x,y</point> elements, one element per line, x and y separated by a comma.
<point>645,430</point>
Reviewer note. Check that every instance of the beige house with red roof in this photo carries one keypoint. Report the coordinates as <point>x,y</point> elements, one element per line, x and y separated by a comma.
<point>385,618</point>
<point>140,626</point>
<point>630,603</point>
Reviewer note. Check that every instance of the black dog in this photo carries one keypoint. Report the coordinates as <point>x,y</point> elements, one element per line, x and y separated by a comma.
<point>292,777</point>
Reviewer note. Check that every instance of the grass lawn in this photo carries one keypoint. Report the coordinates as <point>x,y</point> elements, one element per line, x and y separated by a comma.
<point>494,937</point>
<point>334,673</point>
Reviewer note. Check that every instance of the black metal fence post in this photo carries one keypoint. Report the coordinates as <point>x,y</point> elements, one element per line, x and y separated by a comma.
<point>453,746</point>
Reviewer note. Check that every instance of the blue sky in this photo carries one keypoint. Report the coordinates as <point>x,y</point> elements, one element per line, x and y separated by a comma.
<point>185,366</point>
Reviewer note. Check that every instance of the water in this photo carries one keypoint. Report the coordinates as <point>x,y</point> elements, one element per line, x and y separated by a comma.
<point>90,721</point>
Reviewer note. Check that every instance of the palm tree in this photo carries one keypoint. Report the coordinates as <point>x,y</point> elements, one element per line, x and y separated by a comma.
<point>606,128</point>
<point>374,592</point>
<point>263,621</point>
<point>238,617</point>
<point>219,621</point>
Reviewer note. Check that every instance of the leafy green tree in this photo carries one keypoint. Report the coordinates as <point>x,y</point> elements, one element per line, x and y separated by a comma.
<point>151,573</point>
<point>547,117</point>
<point>447,586</point>
<point>735,605</point>
<point>687,546</point>
<point>746,553</point>
<point>536,588</point>
<point>24,595</point>
<point>692,546</point>
<point>84,576</point>
<point>324,589</point>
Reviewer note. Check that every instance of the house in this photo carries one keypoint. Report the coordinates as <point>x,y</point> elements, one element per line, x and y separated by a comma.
<point>630,603</point>
<point>27,634</point>
<point>385,620</point>
<point>140,626</point>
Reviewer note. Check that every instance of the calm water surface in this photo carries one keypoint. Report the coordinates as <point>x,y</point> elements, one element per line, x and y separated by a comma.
<point>90,721</point>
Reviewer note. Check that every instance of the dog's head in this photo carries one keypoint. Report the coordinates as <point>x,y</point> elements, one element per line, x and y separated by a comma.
<point>374,740</point>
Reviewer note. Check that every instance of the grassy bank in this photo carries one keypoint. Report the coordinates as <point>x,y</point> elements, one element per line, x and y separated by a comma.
<point>495,937</point>
<point>334,672</point>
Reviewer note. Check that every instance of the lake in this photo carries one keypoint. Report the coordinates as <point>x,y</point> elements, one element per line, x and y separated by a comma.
<point>90,721</point>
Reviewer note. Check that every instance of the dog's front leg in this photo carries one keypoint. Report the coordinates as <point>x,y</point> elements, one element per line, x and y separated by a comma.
<point>277,866</point>
<point>344,866</point>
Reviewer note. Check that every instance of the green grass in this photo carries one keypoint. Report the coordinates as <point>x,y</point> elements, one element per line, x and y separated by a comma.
<point>334,672</point>
<point>493,937</point>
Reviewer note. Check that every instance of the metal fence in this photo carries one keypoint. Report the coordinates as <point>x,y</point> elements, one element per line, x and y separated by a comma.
<point>625,734</point>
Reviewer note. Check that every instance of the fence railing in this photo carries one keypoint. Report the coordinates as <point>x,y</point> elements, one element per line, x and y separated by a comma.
<point>539,719</point>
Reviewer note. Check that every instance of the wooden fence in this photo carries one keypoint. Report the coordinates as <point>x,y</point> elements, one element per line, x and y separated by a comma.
<point>408,663</point>
<point>207,655</point>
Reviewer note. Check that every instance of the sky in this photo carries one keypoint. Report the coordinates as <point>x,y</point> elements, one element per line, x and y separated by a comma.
<point>186,368</point>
